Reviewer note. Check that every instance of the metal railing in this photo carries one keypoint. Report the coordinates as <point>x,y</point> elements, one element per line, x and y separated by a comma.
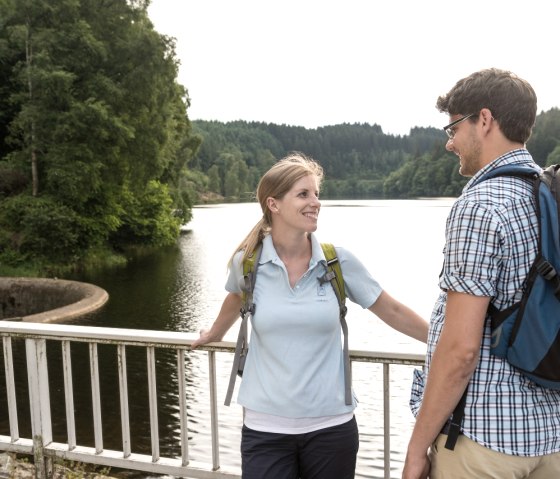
<point>36,336</point>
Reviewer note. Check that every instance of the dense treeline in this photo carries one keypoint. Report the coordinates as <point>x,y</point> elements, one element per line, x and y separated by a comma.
<point>360,161</point>
<point>94,135</point>
<point>357,158</point>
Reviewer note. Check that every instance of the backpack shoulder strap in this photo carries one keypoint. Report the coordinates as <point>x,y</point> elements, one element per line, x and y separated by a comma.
<point>546,191</point>
<point>334,276</point>
<point>454,424</point>
<point>334,272</point>
<point>250,266</point>
<point>549,222</point>
<point>551,176</point>
<point>522,171</point>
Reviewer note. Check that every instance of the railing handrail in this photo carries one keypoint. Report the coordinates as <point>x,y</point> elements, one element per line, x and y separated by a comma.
<point>42,445</point>
<point>156,338</point>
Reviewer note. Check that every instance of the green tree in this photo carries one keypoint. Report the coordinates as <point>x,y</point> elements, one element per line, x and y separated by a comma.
<point>214,180</point>
<point>554,157</point>
<point>96,118</point>
<point>546,135</point>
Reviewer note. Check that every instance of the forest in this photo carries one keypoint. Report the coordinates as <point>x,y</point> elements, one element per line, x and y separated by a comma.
<point>360,161</point>
<point>98,154</point>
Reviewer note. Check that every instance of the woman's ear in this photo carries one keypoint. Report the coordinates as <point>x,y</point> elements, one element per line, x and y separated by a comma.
<point>271,203</point>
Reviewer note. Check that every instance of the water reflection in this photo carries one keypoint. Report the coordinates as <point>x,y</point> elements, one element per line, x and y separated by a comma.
<point>181,288</point>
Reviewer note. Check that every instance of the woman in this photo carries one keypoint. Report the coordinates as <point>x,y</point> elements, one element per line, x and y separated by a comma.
<point>296,420</point>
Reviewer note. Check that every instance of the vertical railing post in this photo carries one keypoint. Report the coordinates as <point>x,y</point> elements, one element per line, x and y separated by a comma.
<point>386,422</point>
<point>152,391</point>
<point>214,411</point>
<point>69,394</point>
<point>95,397</point>
<point>39,399</point>
<point>10,388</point>
<point>123,389</point>
<point>182,385</point>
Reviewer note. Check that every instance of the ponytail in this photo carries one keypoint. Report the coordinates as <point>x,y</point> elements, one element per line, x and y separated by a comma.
<point>252,240</point>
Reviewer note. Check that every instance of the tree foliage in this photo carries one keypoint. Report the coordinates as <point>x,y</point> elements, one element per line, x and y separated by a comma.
<point>92,123</point>
<point>360,161</point>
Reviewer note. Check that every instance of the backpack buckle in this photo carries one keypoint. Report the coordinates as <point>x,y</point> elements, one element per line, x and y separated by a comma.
<point>546,270</point>
<point>326,277</point>
<point>250,309</point>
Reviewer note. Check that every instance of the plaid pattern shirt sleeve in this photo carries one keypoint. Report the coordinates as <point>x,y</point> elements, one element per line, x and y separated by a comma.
<point>472,252</point>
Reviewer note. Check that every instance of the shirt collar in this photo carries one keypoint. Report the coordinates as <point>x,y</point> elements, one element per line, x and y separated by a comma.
<point>269,253</point>
<point>515,157</point>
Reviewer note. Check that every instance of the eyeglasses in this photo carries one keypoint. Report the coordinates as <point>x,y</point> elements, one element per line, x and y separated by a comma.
<point>449,128</point>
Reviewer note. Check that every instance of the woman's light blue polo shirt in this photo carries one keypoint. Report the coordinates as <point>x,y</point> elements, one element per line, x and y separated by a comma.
<point>295,363</point>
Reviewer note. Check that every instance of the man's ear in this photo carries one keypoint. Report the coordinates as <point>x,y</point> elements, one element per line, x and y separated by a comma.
<point>486,118</point>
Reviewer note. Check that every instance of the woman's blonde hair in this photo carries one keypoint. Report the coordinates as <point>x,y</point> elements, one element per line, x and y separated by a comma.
<point>275,183</point>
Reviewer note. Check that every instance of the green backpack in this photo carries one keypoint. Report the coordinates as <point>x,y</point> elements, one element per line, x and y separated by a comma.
<point>332,275</point>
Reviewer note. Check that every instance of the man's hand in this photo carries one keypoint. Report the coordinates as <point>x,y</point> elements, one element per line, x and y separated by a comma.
<point>416,468</point>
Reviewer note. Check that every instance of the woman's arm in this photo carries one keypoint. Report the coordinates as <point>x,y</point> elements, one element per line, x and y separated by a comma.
<point>400,317</point>
<point>229,312</point>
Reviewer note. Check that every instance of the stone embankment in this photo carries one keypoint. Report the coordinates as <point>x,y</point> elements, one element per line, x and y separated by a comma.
<point>42,300</point>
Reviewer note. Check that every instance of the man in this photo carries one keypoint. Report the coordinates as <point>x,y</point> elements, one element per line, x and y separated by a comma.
<point>511,426</point>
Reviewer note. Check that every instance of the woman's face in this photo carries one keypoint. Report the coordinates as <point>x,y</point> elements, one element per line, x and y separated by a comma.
<point>300,206</point>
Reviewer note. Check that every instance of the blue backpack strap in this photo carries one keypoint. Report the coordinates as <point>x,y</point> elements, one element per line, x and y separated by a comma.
<point>522,171</point>
<point>334,276</point>
<point>250,265</point>
<point>551,178</point>
<point>542,266</point>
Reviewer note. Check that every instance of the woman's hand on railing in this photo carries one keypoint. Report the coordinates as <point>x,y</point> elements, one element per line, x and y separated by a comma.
<point>204,338</point>
<point>228,314</point>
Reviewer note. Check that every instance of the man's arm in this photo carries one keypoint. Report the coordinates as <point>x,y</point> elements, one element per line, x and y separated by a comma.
<point>453,362</point>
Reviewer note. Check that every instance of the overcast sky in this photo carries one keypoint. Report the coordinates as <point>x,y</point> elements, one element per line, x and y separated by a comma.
<point>324,62</point>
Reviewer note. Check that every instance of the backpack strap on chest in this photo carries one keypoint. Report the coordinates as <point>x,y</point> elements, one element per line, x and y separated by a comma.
<point>334,276</point>
<point>250,265</point>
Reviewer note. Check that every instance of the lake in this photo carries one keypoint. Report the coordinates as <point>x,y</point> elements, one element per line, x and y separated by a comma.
<point>181,288</point>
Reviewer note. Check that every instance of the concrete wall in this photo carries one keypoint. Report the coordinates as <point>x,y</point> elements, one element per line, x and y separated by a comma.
<point>48,300</point>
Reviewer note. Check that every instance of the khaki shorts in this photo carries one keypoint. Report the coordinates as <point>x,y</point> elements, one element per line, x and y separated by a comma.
<point>470,460</point>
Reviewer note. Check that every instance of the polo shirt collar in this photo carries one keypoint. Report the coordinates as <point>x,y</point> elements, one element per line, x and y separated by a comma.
<point>269,253</point>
